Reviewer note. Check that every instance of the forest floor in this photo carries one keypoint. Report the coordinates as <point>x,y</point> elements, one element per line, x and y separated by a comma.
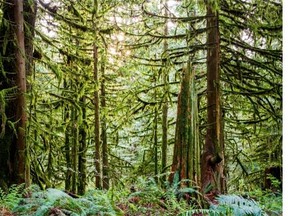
<point>147,199</point>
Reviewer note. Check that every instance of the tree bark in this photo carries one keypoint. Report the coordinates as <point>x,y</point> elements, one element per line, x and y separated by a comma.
<point>182,157</point>
<point>97,122</point>
<point>212,157</point>
<point>14,167</point>
<point>21,101</point>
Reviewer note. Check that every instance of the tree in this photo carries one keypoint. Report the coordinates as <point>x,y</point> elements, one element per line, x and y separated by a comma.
<point>14,66</point>
<point>98,180</point>
<point>212,178</point>
<point>251,67</point>
<point>105,152</point>
<point>164,146</point>
<point>182,157</point>
<point>186,155</point>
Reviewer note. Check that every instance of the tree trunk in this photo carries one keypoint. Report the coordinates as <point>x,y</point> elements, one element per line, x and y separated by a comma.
<point>165,101</point>
<point>82,150</point>
<point>74,149</point>
<point>98,179</point>
<point>212,157</point>
<point>14,168</point>
<point>97,121</point>
<point>155,132</point>
<point>48,138</point>
<point>182,157</point>
<point>195,151</point>
<point>155,141</point>
<point>194,145</point>
<point>105,168</point>
<point>30,8</point>
<point>68,174</point>
<point>21,101</point>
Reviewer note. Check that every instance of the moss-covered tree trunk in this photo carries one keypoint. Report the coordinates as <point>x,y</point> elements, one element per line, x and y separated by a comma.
<point>68,173</point>
<point>186,158</point>
<point>74,149</point>
<point>82,150</point>
<point>13,164</point>
<point>182,157</point>
<point>212,178</point>
<point>98,180</point>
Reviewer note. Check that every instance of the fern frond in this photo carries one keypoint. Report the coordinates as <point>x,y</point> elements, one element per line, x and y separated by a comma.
<point>12,198</point>
<point>188,190</point>
<point>237,205</point>
<point>55,194</point>
<point>209,212</point>
<point>43,210</point>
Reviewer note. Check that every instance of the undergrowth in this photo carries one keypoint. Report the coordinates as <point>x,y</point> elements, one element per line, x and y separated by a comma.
<point>270,201</point>
<point>11,199</point>
<point>144,197</point>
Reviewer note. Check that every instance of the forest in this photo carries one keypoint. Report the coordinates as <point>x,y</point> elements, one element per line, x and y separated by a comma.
<point>140,107</point>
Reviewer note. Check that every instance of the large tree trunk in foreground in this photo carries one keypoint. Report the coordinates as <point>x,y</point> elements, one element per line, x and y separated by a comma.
<point>20,100</point>
<point>13,164</point>
<point>212,160</point>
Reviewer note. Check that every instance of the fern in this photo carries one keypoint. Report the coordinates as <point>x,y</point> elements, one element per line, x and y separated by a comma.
<point>12,198</point>
<point>54,194</point>
<point>42,210</point>
<point>238,206</point>
<point>70,204</point>
<point>54,201</point>
<point>101,203</point>
<point>209,212</point>
<point>229,205</point>
<point>36,204</point>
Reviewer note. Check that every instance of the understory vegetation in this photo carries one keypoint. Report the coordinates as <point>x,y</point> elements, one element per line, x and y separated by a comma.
<point>144,197</point>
